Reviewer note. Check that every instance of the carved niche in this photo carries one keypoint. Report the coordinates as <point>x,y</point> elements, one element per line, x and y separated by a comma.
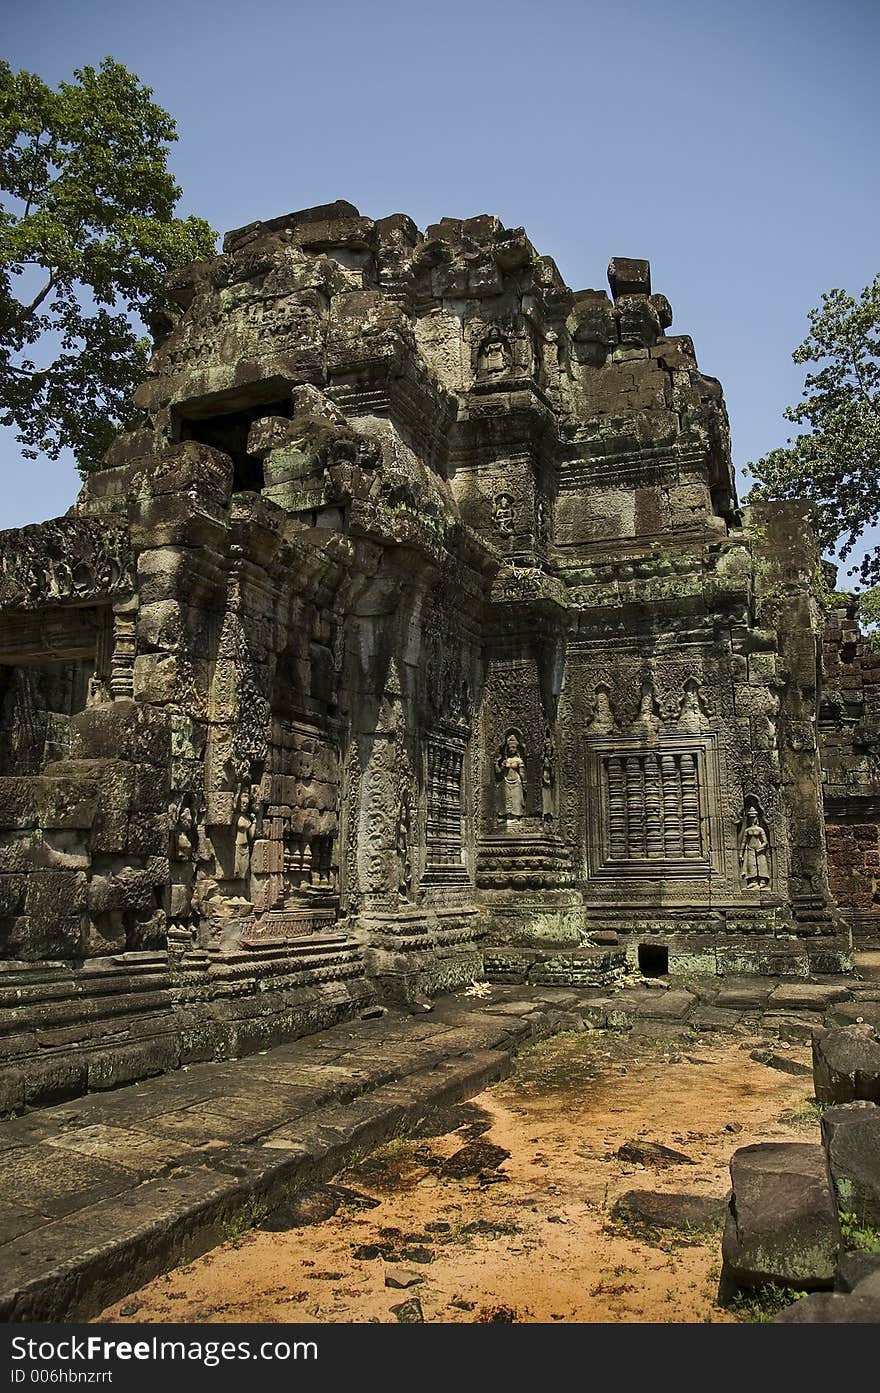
<point>295,862</point>
<point>447,717</point>
<point>754,847</point>
<point>510,775</point>
<point>494,357</point>
<point>548,775</point>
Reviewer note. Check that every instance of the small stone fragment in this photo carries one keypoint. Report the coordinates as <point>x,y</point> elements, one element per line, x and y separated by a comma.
<point>476,1156</point>
<point>651,1153</point>
<point>780,1062</point>
<point>402,1277</point>
<point>409,1312</point>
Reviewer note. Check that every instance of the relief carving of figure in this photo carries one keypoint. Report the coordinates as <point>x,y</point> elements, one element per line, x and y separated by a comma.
<point>647,721</point>
<point>502,514</point>
<point>245,831</point>
<point>403,839</point>
<point>494,357</point>
<point>754,849</point>
<point>548,775</point>
<point>542,522</point>
<point>183,839</point>
<point>692,713</point>
<point>183,831</point>
<point>602,720</point>
<point>98,691</point>
<point>510,769</point>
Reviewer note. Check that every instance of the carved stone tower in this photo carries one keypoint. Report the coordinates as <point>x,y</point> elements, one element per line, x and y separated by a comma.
<point>418,634</point>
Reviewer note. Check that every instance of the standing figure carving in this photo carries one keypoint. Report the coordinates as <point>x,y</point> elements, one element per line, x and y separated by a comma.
<point>403,838</point>
<point>754,849</point>
<point>692,712</point>
<point>245,829</point>
<point>548,775</point>
<point>510,770</point>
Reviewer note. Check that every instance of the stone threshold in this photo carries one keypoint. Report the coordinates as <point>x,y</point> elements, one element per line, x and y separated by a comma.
<point>101,1194</point>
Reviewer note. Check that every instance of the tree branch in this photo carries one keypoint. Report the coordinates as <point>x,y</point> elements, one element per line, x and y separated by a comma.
<point>28,310</point>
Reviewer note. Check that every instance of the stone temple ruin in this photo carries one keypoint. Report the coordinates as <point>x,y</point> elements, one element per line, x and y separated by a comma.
<point>418,635</point>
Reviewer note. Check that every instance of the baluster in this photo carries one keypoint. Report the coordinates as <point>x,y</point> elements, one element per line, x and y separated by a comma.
<point>653,826</point>
<point>671,790</point>
<point>635,805</point>
<point>690,807</point>
<point>616,808</point>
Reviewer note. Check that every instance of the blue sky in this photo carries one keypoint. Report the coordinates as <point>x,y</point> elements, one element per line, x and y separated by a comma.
<point>734,145</point>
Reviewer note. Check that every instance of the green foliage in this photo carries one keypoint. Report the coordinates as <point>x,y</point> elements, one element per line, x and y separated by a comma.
<point>761,1304</point>
<point>87,235</point>
<point>859,1235</point>
<point>869,605</point>
<point>249,1216</point>
<point>836,462</point>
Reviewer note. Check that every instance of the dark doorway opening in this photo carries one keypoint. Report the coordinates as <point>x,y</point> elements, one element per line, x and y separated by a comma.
<point>229,432</point>
<point>653,959</point>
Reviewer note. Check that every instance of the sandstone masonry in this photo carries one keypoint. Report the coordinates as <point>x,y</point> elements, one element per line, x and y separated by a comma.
<point>417,635</point>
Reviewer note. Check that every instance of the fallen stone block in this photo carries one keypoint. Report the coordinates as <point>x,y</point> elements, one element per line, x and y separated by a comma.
<point>301,1211</point>
<point>851,1137</point>
<point>782,1225</point>
<point>853,1267</point>
<point>780,1062</point>
<point>829,1307</point>
<point>806,996</point>
<point>651,1153</point>
<point>869,1285</point>
<point>647,1210</point>
<point>846,1064</point>
<point>858,1012</point>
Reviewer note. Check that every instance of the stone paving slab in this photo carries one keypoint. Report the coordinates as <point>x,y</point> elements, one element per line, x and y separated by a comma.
<point>99,1194</point>
<point>122,1186</point>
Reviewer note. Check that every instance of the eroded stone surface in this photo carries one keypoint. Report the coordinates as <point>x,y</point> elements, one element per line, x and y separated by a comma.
<point>851,1137</point>
<point>782,1224</point>
<point>846,1064</point>
<point>418,634</point>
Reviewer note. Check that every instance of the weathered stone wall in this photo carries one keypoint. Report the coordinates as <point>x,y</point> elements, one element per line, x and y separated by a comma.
<point>418,631</point>
<point>849,730</point>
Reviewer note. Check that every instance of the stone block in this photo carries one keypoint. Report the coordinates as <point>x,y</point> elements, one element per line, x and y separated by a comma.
<point>54,894</point>
<point>61,937</point>
<point>63,802</point>
<point>629,276</point>
<point>157,678</point>
<point>805,996</point>
<point>831,1308</point>
<point>647,1210</point>
<point>147,834</point>
<point>846,1064</point>
<point>851,1137</point>
<point>782,1224</point>
<point>13,889</point>
<point>858,1012</point>
<point>120,730</point>
<point>853,1267</point>
<point>15,852</point>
